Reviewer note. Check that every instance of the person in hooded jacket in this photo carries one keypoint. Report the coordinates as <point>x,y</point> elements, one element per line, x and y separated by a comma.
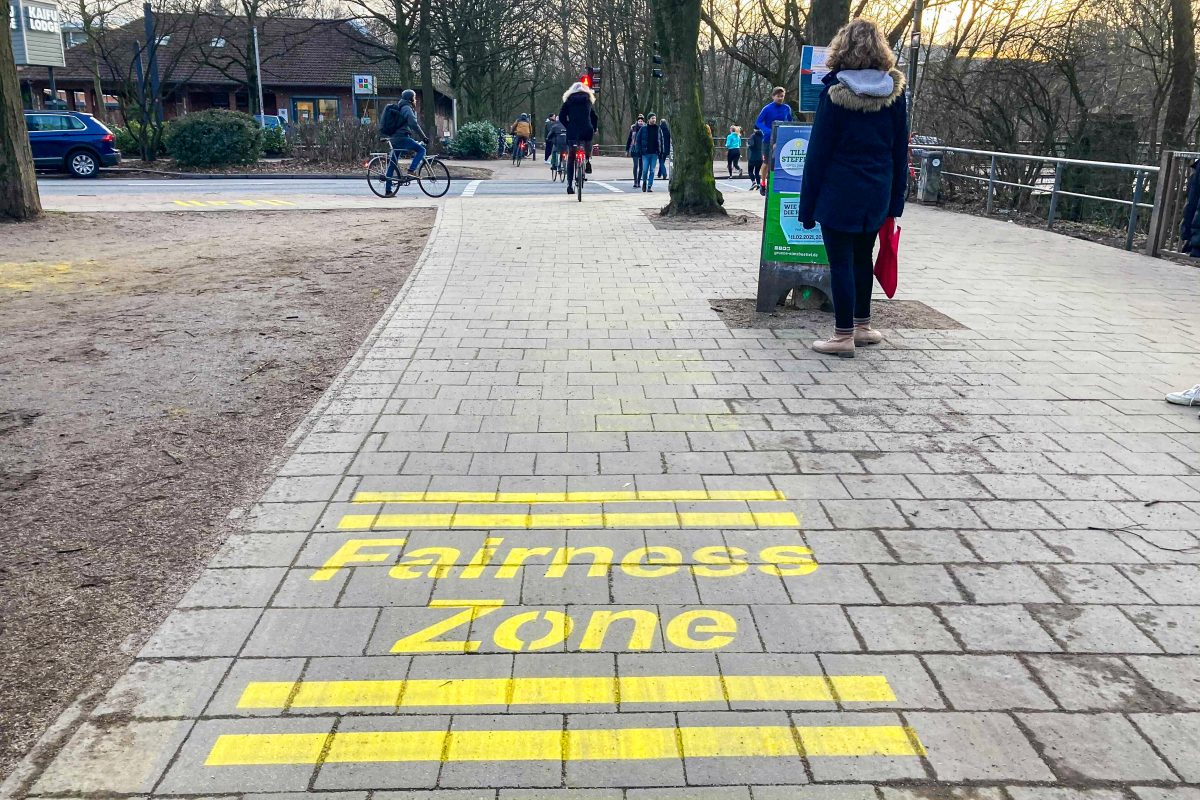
<point>578,116</point>
<point>631,148</point>
<point>855,172</point>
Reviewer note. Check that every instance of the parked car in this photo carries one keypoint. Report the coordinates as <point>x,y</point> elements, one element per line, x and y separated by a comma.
<point>269,121</point>
<point>71,141</point>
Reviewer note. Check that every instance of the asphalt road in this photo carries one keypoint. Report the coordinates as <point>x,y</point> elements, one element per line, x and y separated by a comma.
<point>122,193</point>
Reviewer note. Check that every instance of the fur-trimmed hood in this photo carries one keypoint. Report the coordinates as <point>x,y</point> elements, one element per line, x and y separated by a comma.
<point>871,94</point>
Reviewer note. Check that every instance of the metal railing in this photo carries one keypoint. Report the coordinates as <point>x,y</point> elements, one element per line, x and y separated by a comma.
<point>1045,178</point>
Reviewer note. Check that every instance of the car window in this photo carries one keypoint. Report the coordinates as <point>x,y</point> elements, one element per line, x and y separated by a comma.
<point>34,122</point>
<point>75,123</point>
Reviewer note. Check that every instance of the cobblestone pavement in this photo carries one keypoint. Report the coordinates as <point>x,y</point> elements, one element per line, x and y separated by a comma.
<point>560,533</point>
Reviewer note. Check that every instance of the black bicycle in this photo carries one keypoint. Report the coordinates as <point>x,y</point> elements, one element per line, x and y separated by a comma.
<point>580,167</point>
<point>432,175</point>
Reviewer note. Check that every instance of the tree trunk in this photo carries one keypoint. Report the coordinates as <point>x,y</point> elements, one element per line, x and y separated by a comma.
<point>1183,73</point>
<point>693,189</point>
<point>428,93</point>
<point>19,198</point>
<point>825,18</point>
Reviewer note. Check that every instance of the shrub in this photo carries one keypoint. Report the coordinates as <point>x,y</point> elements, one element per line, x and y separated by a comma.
<point>474,140</point>
<point>333,141</point>
<point>275,142</point>
<point>215,138</point>
<point>128,142</point>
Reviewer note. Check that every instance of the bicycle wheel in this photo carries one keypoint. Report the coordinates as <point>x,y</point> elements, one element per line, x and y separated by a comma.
<point>433,178</point>
<point>579,179</point>
<point>377,177</point>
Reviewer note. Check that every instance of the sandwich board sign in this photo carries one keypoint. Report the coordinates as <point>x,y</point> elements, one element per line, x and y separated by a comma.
<point>36,33</point>
<point>791,257</point>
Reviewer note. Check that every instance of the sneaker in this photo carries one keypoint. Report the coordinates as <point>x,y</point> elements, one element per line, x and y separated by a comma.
<point>587,167</point>
<point>1188,397</point>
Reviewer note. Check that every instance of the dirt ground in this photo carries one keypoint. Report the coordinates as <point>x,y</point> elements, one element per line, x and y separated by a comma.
<point>152,367</point>
<point>731,221</point>
<point>885,314</point>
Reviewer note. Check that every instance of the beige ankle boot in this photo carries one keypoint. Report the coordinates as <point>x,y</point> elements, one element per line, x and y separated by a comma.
<point>840,344</point>
<point>865,334</point>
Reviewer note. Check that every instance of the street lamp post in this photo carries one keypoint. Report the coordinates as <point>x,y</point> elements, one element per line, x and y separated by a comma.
<point>258,76</point>
<point>914,55</point>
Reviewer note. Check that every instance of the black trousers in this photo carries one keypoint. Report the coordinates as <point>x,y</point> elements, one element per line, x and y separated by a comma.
<point>733,158</point>
<point>851,273</point>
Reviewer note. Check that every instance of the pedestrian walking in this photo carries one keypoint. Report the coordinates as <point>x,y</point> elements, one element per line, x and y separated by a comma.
<point>733,151</point>
<point>855,172</point>
<point>775,111</point>
<point>665,130</point>
<point>632,151</point>
<point>650,145</point>
<point>754,157</point>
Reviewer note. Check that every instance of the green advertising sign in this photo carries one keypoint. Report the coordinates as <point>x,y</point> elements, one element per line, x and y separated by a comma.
<point>784,239</point>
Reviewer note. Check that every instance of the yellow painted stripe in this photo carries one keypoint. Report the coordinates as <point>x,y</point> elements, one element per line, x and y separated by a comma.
<point>618,744</point>
<point>633,519</point>
<point>566,497</point>
<point>574,690</point>
<point>867,740</point>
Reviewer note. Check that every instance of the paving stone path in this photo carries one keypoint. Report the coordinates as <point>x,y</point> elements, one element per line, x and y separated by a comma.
<point>559,532</point>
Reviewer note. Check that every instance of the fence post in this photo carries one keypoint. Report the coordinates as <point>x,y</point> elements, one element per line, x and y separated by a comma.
<point>991,185</point>
<point>1133,209</point>
<point>1054,194</point>
<point>1163,193</point>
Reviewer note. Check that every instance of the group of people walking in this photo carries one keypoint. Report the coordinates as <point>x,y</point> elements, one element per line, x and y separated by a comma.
<point>649,145</point>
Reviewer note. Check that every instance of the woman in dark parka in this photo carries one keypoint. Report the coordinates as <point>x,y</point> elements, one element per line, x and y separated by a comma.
<point>855,172</point>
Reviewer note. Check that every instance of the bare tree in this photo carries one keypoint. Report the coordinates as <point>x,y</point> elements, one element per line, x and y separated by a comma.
<point>693,189</point>
<point>1183,72</point>
<point>19,199</point>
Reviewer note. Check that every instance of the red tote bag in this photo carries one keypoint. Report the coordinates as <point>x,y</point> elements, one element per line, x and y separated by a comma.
<point>886,262</point>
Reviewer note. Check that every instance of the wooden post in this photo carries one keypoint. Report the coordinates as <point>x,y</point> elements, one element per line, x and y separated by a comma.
<point>1164,189</point>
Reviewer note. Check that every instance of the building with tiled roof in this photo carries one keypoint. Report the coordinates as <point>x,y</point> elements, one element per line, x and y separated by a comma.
<point>308,69</point>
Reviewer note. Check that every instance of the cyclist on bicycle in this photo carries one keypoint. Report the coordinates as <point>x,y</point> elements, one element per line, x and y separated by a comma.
<point>521,130</point>
<point>399,124</point>
<point>556,143</point>
<point>578,116</point>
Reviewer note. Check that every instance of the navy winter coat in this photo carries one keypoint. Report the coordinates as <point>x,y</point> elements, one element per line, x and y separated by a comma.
<point>579,117</point>
<point>856,170</point>
<point>661,144</point>
<point>1189,229</point>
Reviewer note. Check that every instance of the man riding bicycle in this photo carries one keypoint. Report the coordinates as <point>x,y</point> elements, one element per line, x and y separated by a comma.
<point>521,130</point>
<point>399,124</point>
<point>578,116</point>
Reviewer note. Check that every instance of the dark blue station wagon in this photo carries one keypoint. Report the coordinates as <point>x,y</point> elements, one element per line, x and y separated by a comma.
<point>71,141</point>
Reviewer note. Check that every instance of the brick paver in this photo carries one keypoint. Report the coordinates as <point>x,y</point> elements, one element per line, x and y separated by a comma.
<point>558,532</point>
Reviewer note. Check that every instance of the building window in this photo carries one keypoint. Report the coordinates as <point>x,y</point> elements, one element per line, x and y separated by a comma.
<point>217,42</point>
<point>163,40</point>
<point>315,109</point>
<point>81,103</point>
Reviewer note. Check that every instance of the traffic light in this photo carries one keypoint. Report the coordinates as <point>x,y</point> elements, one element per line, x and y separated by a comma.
<point>595,77</point>
<point>586,79</point>
<point>656,71</point>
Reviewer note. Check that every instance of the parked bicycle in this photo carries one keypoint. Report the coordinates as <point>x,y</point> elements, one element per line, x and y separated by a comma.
<point>432,175</point>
